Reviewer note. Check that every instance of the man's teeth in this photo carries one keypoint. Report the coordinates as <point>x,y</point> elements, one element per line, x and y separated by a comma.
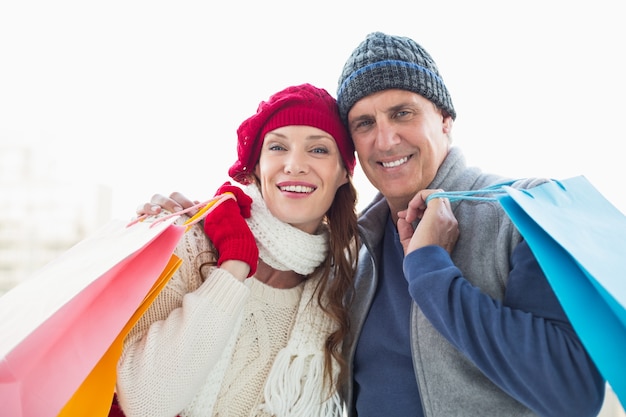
<point>297,189</point>
<point>395,163</point>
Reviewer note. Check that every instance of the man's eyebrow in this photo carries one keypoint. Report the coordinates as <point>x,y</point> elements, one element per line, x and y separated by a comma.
<point>361,117</point>
<point>400,106</point>
<point>358,119</point>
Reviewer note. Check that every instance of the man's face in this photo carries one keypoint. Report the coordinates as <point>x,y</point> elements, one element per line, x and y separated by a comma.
<point>401,139</point>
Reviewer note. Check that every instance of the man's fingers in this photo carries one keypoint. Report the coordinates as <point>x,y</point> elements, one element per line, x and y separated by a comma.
<point>180,200</point>
<point>148,208</point>
<point>405,232</point>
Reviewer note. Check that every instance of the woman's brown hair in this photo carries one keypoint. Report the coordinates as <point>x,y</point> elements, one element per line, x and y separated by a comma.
<point>337,274</point>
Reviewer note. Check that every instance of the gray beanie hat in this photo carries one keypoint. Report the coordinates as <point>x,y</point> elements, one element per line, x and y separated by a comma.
<point>382,62</point>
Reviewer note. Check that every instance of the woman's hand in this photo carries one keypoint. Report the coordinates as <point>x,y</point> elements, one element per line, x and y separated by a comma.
<point>226,226</point>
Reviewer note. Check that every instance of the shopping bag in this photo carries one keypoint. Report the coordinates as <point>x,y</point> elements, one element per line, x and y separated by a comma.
<point>93,397</point>
<point>58,324</point>
<point>62,329</point>
<point>579,240</point>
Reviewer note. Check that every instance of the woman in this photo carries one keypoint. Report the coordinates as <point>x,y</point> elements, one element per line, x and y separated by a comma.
<point>252,322</point>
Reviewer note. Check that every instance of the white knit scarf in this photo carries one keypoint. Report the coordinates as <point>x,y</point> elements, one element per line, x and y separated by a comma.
<point>295,385</point>
<point>281,245</point>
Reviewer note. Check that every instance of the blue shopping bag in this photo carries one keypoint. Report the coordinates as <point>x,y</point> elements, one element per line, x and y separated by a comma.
<point>579,240</point>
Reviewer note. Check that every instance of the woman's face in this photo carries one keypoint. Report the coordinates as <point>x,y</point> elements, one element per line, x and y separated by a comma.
<point>300,170</point>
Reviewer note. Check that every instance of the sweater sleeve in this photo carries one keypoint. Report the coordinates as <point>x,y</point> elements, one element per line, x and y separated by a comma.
<point>524,344</point>
<point>181,336</point>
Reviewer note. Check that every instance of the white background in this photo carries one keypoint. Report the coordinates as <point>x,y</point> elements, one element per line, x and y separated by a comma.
<point>146,96</point>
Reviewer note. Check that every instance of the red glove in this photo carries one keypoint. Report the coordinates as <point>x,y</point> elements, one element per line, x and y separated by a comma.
<point>228,230</point>
<point>244,202</point>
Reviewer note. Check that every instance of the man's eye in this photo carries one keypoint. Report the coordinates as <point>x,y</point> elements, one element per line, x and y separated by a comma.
<point>362,124</point>
<point>402,113</point>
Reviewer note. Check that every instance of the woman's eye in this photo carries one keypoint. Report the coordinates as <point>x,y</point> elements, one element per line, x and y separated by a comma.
<point>276,148</point>
<point>320,150</point>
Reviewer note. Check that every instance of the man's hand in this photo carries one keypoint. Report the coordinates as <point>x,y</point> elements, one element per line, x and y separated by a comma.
<point>174,203</point>
<point>437,226</point>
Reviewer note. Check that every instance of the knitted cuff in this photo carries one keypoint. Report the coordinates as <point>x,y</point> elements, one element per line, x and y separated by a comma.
<point>244,250</point>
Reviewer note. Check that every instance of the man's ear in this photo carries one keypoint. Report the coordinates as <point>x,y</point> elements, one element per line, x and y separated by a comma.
<point>448,121</point>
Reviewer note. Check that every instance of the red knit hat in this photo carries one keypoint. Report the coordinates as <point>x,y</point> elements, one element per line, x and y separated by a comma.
<point>304,105</point>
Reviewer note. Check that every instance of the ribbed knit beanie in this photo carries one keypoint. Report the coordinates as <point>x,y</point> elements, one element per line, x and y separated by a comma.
<point>303,104</point>
<point>384,62</point>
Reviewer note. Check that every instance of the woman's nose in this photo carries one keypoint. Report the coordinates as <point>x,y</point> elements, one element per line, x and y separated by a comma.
<point>296,164</point>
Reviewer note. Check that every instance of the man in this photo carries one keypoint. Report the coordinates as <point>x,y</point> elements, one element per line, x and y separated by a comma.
<point>452,315</point>
<point>444,327</point>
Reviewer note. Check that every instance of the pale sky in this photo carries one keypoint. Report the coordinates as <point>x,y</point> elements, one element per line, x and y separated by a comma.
<point>145,96</point>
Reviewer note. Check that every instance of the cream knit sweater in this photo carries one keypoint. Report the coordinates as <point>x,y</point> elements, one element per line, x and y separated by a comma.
<point>206,346</point>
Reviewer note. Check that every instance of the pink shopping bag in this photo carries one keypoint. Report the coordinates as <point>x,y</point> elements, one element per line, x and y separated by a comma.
<point>58,324</point>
